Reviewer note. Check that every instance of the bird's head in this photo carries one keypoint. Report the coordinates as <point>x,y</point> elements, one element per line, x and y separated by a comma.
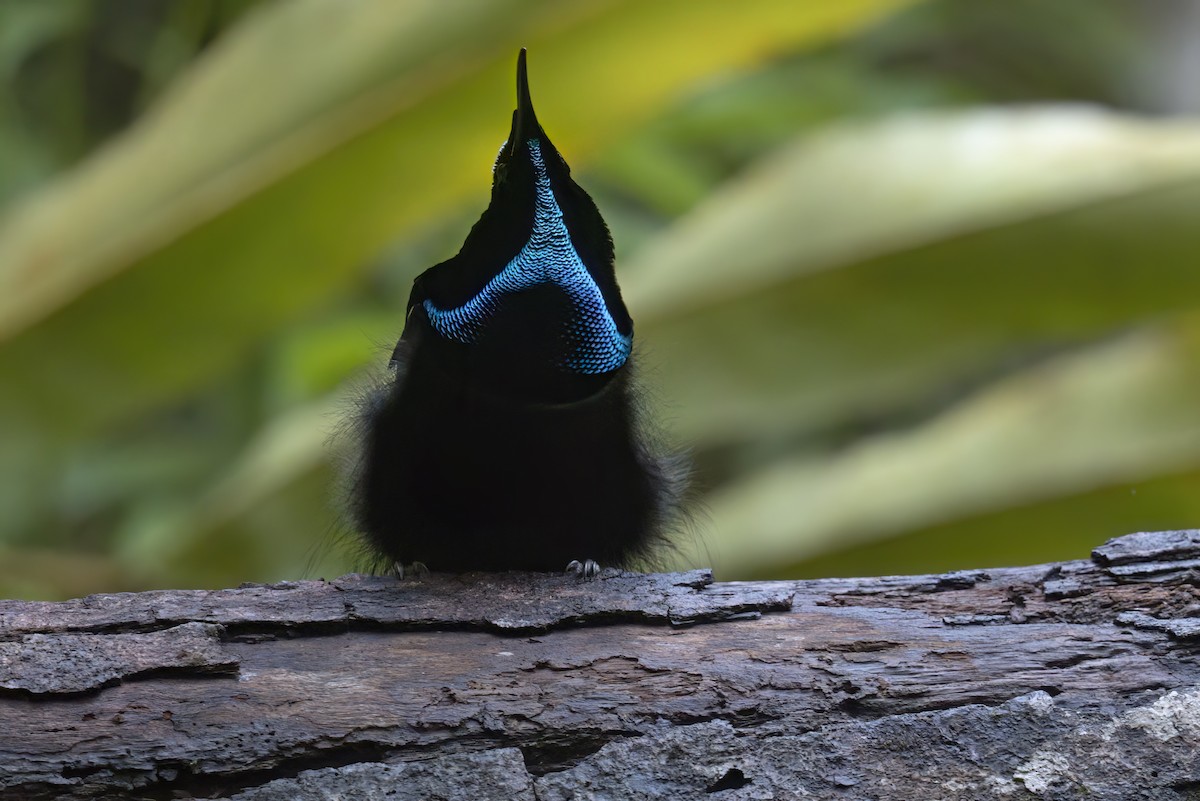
<point>530,305</point>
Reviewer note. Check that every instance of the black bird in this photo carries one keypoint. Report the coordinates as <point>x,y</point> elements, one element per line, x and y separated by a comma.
<point>508,435</point>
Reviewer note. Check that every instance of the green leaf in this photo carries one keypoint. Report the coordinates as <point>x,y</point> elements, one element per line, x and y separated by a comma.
<point>869,271</point>
<point>1121,411</point>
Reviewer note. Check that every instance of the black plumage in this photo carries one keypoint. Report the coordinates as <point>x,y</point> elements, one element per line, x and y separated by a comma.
<point>508,433</point>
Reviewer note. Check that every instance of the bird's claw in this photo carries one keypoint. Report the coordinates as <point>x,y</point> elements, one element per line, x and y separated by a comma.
<point>588,568</point>
<point>417,570</point>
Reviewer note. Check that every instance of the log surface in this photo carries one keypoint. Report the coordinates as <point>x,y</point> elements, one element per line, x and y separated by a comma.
<point>1068,681</point>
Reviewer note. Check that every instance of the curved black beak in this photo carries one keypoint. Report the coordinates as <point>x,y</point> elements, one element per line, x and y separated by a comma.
<point>525,124</point>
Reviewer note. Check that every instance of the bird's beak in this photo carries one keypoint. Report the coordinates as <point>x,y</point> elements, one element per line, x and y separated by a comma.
<point>525,123</point>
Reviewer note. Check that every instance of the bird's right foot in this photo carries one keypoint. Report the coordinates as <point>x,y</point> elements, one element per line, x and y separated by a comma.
<point>588,568</point>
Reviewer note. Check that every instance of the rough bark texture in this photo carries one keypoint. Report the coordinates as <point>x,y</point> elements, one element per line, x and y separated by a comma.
<point>1069,681</point>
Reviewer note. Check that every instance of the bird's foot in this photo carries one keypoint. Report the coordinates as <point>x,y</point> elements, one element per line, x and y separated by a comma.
<point>417,570</point>
<point>588,568</point>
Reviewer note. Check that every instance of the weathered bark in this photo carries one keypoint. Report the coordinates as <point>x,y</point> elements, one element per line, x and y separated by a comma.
<point>1076,680</point>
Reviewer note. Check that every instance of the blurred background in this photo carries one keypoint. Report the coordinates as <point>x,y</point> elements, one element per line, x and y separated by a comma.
<point>916,282</point>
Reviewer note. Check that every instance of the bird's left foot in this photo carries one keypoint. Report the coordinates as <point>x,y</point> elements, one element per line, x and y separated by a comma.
<point>416,570</point>
<point>588,568</point>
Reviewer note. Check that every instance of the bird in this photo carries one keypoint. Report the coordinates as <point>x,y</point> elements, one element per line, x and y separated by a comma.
<point>509,431</point>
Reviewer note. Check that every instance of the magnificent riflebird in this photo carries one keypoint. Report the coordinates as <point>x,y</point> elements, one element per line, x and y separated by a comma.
<point>507,433</point>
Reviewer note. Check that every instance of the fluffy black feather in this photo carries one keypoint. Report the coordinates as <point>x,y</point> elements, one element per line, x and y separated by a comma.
<point>508,434</point>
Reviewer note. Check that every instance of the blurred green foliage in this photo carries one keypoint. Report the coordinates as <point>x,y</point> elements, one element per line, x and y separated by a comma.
<point>911,304</point>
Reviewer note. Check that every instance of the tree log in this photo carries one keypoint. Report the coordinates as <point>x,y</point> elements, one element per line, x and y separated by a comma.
<point>1065,681</point>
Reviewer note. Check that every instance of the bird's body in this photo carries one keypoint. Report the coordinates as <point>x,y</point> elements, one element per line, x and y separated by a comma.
<point>508,434</point>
